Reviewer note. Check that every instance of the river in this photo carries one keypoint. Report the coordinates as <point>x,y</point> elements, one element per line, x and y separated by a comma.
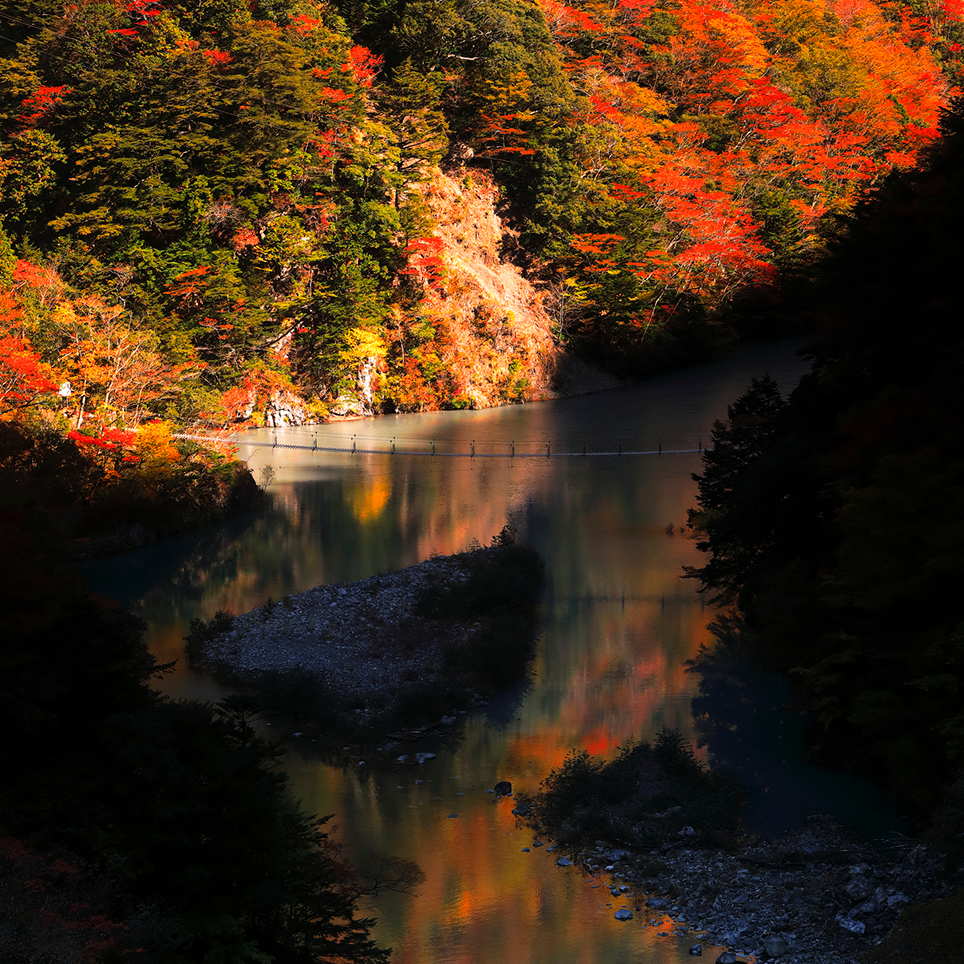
<point>618,625</point>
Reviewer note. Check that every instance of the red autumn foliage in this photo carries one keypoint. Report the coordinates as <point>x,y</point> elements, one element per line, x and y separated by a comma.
<point>39,104</point>
<point>424,261</point>
<point>303,24</point>
<point>718,116</point>
<point>245,238</point>
<point>258,387</point>
<point>188,284</point>
<point>111,439</point>
<point>364,65</point>
<point>217,58</point>
<point>499,135</point>
<point>24,378</point>
<point>55,907</point>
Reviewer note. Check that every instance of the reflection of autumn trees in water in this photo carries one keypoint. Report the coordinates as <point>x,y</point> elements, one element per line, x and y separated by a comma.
<point>618,625</point>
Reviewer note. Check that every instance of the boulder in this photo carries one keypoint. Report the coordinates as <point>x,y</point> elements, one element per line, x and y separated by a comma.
<point>624,913</point>
<point>774,945</point>
<point>503,788</point>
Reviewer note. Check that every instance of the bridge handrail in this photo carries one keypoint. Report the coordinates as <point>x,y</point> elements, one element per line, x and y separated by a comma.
<point>472,454</point>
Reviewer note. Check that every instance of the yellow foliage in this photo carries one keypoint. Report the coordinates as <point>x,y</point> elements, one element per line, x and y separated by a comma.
<point>362,344</point>
<point>509,94</point>
<point>154,445</point>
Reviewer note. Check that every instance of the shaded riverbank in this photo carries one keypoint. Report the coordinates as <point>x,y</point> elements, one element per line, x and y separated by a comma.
<point>661,823</point>
<point>820,893</point>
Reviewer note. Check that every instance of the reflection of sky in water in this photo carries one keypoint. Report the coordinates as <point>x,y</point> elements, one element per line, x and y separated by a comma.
<point>619,624</point>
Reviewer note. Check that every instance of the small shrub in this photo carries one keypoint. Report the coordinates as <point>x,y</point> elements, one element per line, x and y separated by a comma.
<point>202,633</point>
<point>644,796</point>
<point>503,580</point>
<point>923,933</point>
<point>564,789</point>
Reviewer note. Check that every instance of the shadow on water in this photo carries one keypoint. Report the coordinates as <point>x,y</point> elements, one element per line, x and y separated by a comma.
<point>181,563</point>
<point>503,707</point>
<point>742,717</point>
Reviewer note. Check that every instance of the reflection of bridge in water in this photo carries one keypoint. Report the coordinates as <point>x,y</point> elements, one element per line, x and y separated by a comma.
<point>571,604</point>
<point>407,447</point>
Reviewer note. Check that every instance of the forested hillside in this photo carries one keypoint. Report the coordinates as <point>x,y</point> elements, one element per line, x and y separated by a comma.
<point>833,520</point>
<point>418,203</point>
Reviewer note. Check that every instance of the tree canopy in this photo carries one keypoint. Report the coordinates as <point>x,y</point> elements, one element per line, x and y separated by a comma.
<point>248,181</point>
<point>831,519</point>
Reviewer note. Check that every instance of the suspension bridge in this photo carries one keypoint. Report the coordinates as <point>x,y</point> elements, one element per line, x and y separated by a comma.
<point>429,448</point>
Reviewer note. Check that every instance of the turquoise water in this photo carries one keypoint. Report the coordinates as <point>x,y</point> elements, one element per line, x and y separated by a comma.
<point>618,625</point>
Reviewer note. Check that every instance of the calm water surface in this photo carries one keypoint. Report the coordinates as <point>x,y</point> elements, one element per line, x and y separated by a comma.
<point>618,625</point>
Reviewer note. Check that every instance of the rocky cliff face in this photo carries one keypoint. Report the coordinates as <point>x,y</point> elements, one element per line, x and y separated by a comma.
<point>496,333</point>
<point>489,331</point>
<point>498,326</point>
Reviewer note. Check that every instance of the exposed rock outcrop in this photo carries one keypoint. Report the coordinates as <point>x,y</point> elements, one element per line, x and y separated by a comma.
<point>500,330</point>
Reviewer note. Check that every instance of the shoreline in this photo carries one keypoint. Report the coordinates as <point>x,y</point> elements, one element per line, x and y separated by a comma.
<point>819,894</point>
<point>389,657</point>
